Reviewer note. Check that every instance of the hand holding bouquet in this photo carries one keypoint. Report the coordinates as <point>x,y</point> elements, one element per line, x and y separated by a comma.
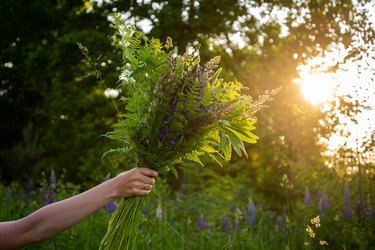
<point>175,110</point>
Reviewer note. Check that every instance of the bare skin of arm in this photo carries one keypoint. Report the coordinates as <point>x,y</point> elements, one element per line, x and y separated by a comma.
<point>57,217</point>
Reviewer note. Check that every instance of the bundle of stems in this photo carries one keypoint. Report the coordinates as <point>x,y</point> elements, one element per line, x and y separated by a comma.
<point>121,228</point>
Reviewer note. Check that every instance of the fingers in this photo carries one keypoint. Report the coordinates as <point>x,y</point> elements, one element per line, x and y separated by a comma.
<point>143,189</point>
<point>136,182</point>
<point>147,186</point>
<point>147,171</point>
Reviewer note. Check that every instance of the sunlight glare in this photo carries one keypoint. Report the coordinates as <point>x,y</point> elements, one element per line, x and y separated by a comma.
<point>318,88</point>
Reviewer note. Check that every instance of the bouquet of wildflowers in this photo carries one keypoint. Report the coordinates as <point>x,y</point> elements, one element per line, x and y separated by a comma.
<point>175,110</point>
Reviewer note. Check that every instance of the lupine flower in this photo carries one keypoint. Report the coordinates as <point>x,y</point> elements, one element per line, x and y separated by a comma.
<point>169,119</point>
<point>201,223</point>
<point>50,196</point>
<point>110,207</point>
<point>323,203</point>
<point>251,218</point>
<point>370,213</point>
<point>307,200</point>
<point>346,201</point>
<point>359,209</point>
<point>226,224</point>
<point>30,187</point>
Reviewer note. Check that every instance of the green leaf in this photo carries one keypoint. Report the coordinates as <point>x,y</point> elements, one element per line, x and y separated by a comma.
<point>213,156</point>
<point>208,149</point>
<point>116,150</point>
<point>237,143</point>
<point>194,157</point>
<point>174,171</point>
<point>227,150</point>
<point>223,140</point>
<point>241,135</point>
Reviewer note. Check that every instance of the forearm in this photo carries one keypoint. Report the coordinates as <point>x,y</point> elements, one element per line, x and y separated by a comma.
<point>57,217</point>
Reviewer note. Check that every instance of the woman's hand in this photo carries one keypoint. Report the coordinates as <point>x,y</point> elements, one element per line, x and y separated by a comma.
<point>135,182</point>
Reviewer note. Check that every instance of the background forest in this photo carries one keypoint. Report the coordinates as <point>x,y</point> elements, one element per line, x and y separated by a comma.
<point>315,155</point>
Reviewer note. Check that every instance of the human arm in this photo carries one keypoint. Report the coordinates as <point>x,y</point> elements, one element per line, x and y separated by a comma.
<point>57,217</point>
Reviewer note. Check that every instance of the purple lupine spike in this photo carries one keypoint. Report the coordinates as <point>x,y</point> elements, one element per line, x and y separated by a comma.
<point>52,178</point>
<point>251,219</point>
<point>226,224</point>
<point>347,212</point>
<point>346,201</point>
<point>307,199</point>
<point>323,204</point>
<point>50,196</point>
<point>201,223</point>
<point>169,119</point>
<point>30,187</point>
<point>359,209</point>
<point>370,213</point>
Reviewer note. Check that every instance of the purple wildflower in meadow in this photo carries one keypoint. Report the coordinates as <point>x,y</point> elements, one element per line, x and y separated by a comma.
<point>307,199</point>
<point>50,196</point>
<point>359,209</point>
<point>370,213</point>
<point>201,223</point>
<point>226,224</point>
<point>347,212</point>
<point>49,192</point>
<point>8,198</point>
<point>251,218</point>
<point>323,204</point>
<point>110,207</point>
<point>30,187</point>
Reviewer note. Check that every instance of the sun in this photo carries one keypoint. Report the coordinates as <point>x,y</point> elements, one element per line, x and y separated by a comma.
<point>318,88</point>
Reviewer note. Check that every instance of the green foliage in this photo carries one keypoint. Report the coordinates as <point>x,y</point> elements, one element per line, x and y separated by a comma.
<point>193,217</point>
